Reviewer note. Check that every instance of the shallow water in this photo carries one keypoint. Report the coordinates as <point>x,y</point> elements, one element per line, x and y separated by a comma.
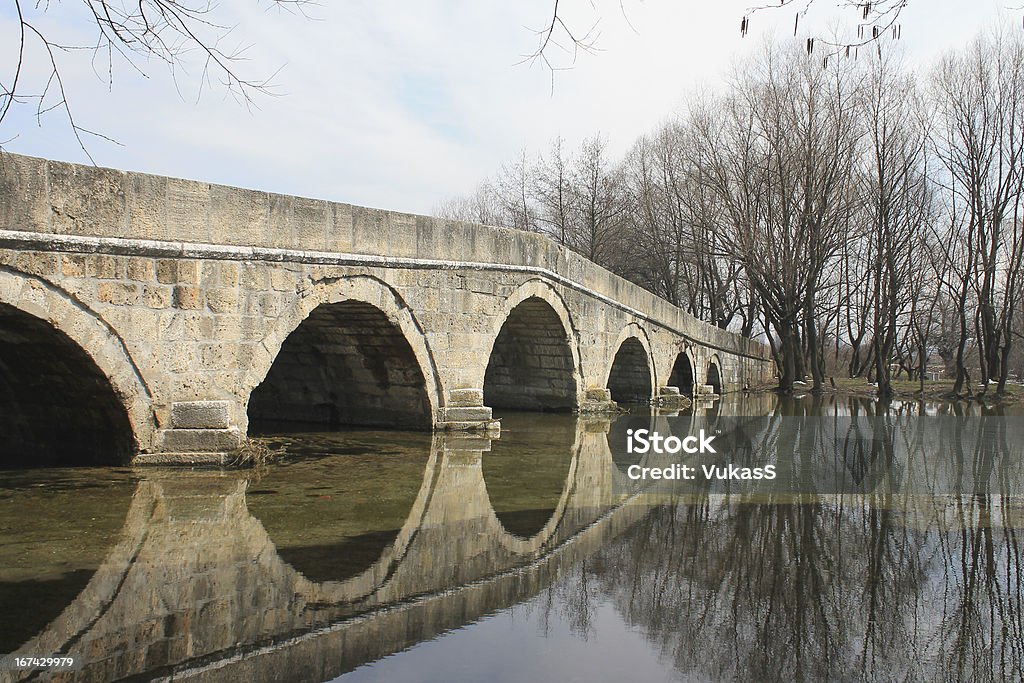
<point>369,555</point>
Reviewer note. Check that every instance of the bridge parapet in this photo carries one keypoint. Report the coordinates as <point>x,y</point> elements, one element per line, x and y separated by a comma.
<point>60,198</point>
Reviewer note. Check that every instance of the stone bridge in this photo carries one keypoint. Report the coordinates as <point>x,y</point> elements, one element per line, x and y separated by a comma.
<point>145,318</point>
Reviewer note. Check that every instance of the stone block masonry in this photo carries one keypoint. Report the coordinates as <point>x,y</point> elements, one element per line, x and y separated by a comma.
<point>185,315</point>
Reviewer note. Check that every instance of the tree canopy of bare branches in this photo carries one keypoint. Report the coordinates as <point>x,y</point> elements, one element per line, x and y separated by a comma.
<point>858,217</point>
<point>175,33</point>
<point>979,103</point>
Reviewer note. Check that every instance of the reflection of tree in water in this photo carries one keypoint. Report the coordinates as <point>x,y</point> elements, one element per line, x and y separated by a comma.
<point>982,631</point>
<point>771,591</point>
<point>817,592</point>
<point>877,587</point>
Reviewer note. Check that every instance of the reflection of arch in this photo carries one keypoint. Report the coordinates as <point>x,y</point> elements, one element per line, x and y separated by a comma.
<point>683,374</point>
<point>631,374</point>
<point>371,336</point>
<point>339,532</point>
<point>525,481</point>
<point>376,576</point>
<point>67,382</point>
<point>148,565</point>
<point>534,360</point>
<point>715,374</point>
<point>519,545</point>
<point>617,437</point>
<point>106,584</point>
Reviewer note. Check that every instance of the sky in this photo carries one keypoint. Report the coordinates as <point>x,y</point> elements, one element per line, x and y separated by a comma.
<point>400,104</point>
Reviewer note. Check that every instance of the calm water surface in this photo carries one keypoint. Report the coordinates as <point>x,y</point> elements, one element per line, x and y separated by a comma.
<point>386,556</point>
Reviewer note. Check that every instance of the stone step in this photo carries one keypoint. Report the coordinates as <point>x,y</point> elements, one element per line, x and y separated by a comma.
<point>467,414</point>
<point>199,440</point>
<point>466,397</point>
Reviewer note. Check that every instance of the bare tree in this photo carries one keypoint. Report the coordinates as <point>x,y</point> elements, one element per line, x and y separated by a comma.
<point>780,156</point>
<point>659,217</point>
<point>480,207</point>
<point>513,192</point>
<point>674,217</point>
<point>980,143</point>
<point>554,193</point>
<point>136,34</point>
<point>872,20</point>
<point>898,201</point>
<point>601,201</point>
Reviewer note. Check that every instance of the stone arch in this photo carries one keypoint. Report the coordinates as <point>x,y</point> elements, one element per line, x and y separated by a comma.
<point>534,360</point>
<point>684,373</point>
<point>714,374</point>
<point>362,326</point>
<point>631,374</point>
<point>68,384</point>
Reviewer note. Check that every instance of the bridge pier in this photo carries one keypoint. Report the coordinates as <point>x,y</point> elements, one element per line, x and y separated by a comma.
<point>201,432</point>
<point>670,398</point>
<point>466,412</point>
<point>598,401</point>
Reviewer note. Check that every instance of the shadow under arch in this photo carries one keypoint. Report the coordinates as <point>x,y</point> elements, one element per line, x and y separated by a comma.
<point>69,392</point>
<point>534,360</point>
<point>631,374</point>
<point>714,377</point>
<point>683,374</point>
<point>349,353</point>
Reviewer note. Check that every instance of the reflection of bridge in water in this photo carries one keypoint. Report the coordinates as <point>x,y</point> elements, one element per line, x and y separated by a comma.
<point>205,583</point>
<point>196,587</point>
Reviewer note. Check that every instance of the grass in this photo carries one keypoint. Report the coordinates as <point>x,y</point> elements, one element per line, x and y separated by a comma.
<point>254,454</point>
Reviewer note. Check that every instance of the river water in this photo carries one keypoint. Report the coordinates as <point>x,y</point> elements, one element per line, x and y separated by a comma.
<point>886,548</point>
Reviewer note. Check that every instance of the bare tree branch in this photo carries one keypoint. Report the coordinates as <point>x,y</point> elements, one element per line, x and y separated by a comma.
<point>137,32</point>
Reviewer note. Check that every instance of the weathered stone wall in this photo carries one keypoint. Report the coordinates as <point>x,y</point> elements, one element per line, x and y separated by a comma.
<point>184,294</point>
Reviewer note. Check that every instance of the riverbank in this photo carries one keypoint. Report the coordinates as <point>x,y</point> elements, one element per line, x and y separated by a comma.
<point>934,390</point>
